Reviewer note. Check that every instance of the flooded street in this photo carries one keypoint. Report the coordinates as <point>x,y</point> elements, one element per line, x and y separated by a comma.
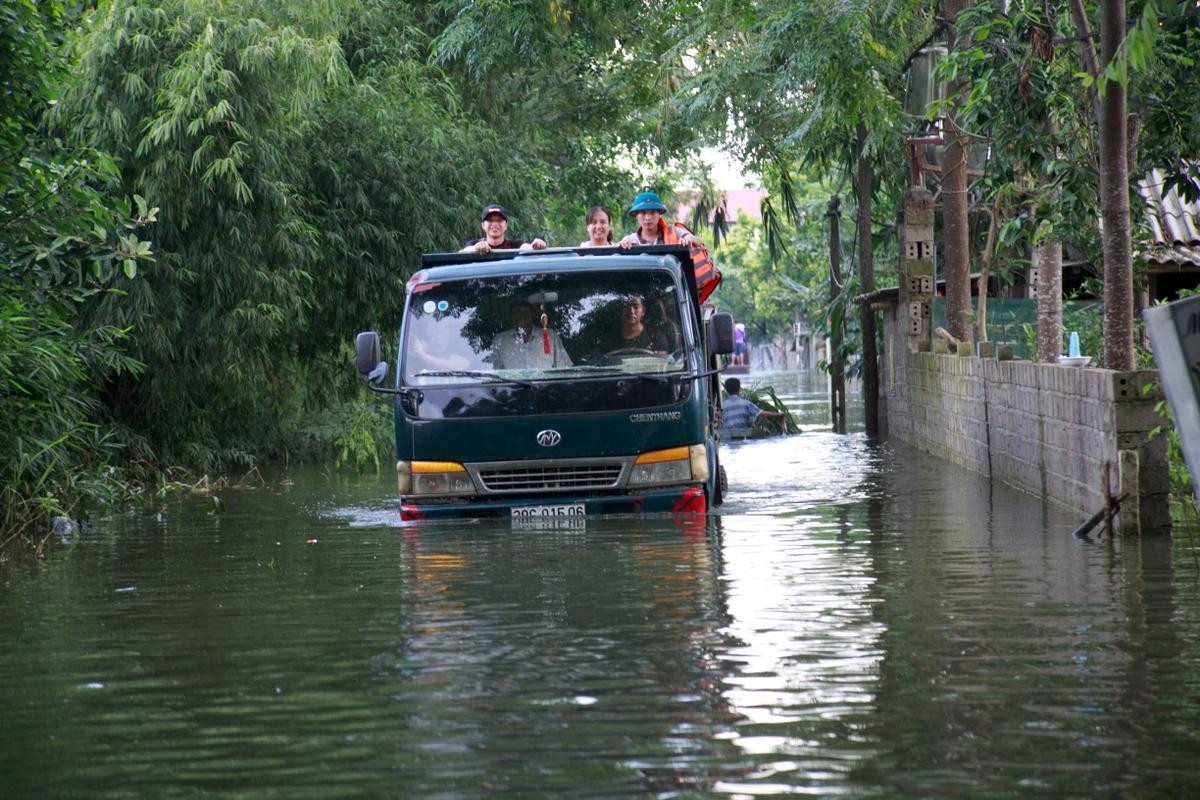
<point>859,620</point>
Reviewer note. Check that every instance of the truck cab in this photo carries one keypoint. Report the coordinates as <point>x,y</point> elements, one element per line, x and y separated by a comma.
<point>547,386</point>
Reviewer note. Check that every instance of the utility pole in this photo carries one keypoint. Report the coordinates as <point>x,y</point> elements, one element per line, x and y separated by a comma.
<point>866,280</point>
<point>837,370</point>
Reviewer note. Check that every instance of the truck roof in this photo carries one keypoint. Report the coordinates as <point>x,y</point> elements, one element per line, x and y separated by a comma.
<point>459,266</point>
<point>558,258</point>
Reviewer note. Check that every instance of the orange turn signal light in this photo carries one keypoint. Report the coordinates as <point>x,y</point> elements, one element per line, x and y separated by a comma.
<point>657,456</point>
<point>423,467</point>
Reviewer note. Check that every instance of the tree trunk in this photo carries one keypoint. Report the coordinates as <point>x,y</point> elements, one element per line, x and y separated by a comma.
<point>1047,259</point>
<point>985,274</point>
<point>955,244</point>
<point>1114,200</point>
<point>866,278</point>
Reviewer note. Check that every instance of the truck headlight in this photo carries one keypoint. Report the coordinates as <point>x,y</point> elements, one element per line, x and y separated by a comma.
<point>433,478</point>
<point>673,465</point>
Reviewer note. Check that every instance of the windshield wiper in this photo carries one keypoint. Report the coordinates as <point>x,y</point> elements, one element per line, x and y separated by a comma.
<point>681,374</point>
<point>617,372</point>
<point>585,368</point>
<point>466,373</point>
<point>658,375</point>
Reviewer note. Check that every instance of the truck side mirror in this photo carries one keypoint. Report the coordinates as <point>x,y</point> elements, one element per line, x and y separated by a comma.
<point>369,357</point>
<point>720,334</point>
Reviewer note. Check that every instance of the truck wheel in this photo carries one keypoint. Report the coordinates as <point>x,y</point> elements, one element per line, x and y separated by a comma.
<point>722,486</point>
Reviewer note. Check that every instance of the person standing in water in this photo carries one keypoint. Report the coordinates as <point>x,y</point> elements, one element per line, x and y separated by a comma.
<point>739,345</point>
<point>738,412</point>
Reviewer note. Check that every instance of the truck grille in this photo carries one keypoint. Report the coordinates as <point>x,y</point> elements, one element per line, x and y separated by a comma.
<point>548,476</point>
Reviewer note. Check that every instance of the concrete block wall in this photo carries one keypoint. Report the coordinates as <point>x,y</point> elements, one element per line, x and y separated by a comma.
<point>1044,428</point>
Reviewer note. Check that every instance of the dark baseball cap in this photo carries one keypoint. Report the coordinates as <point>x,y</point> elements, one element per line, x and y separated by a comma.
<point>494,208</point>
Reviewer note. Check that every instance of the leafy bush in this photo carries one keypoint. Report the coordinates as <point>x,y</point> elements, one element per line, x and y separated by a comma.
<point>67,239</point>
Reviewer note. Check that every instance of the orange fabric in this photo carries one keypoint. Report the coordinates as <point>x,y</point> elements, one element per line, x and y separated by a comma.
<point>707,274</point>
<point>669,236</point>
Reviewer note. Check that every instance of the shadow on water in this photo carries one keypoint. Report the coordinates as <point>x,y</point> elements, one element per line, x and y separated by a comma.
<point>859,619</point>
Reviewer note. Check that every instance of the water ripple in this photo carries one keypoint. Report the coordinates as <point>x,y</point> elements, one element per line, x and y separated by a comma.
<point>858,620</point>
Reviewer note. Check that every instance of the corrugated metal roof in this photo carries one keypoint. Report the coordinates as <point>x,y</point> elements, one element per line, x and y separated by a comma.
<point>1174,225</point>
<point>1177,257</point>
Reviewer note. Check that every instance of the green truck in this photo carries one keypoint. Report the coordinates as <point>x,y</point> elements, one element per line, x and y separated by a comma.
<point>546,386</point>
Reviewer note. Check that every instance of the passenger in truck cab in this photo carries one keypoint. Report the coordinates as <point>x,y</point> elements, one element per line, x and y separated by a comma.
<point>648,210</point>
<point>495,227</point>
<point>599,228</point>
<point>657,317</point>
<point>529,343</point>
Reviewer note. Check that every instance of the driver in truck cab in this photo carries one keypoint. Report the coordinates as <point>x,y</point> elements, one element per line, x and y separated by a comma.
<point>527,345</point>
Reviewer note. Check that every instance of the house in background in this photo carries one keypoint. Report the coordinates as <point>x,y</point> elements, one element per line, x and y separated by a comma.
<point>747,201</point>
<point>1170,256</point>
<point>737,201</point>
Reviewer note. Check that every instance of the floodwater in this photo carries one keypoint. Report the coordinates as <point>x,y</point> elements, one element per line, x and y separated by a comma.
<point>858,620</point>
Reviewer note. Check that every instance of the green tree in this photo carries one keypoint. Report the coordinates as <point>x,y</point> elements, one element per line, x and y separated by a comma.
<point>1026,105</point>
<point>581,91</point>
<point>1041,121</point>
<point>812,84</point>
<point>768,293</point>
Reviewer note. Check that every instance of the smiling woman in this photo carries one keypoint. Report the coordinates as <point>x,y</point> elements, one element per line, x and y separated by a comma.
<point>599,228</point>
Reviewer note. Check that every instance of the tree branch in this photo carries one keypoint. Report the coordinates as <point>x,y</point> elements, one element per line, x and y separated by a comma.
<point>1085,35</point>
<point>939,27</point>
<point>1088,52</point>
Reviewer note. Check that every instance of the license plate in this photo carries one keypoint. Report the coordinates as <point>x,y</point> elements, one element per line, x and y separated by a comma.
<point>564,516</point>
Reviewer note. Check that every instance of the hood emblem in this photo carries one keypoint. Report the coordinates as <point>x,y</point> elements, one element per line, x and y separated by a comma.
<point>548,438</point>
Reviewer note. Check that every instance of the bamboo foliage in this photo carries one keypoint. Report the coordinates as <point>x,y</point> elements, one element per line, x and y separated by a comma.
<point>296,192</point>
<point>206,112</point>
<point>65,240</point>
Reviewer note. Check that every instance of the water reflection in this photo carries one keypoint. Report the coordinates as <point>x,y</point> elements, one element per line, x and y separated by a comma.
<point>923,632</point>
<point>860,619</point>
<point>501,668</point>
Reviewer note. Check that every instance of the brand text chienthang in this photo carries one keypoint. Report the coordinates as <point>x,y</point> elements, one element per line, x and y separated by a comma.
<point>657,416</point>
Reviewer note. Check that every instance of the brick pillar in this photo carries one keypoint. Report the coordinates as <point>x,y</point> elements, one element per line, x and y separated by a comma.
<point>916,268</point>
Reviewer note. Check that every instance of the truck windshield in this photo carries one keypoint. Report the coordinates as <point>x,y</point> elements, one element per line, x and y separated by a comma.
<point>543,327</point>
